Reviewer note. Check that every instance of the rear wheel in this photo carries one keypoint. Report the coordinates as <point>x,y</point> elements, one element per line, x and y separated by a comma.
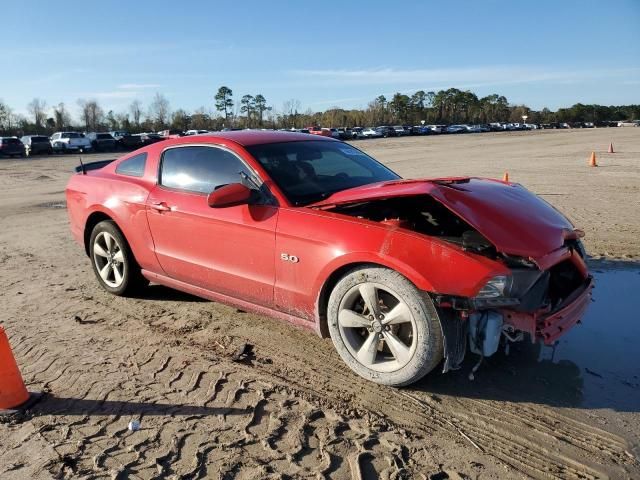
<point>113,263</point>
<point>383,327</point>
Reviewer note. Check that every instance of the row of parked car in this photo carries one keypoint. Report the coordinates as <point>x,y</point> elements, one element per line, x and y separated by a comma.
<point>385,131</point>
<point>63,142</point>
<point>66,142</point>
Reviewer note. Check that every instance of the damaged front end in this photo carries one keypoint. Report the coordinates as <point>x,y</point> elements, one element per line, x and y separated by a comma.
<point>547,287</point>
<point>540,304</point>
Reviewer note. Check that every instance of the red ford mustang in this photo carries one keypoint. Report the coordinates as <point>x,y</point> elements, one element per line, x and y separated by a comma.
<point>401,274</point>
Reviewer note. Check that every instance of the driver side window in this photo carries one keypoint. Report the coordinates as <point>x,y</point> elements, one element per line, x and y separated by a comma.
<point>199,169</point>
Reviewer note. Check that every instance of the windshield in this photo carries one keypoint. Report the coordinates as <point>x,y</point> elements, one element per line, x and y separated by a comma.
<point>310,171</point>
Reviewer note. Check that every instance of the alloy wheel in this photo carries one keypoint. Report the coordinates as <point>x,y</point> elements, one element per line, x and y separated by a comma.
<point>109,259</point>
<point>377,326</point>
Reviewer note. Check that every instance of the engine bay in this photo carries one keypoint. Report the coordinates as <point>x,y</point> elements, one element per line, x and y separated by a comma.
<point>421,214</point>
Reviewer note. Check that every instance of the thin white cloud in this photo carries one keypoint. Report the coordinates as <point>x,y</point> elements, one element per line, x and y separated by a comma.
<point>339,101</point>
<point>138,86</point>
<point>112,95</point>
<point>485,76</point>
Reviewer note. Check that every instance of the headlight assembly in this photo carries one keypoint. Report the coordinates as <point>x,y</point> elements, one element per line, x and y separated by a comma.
<point>496,287</point>
<point>495,294</point>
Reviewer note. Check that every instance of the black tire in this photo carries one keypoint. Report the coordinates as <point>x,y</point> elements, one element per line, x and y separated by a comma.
<point>132,279</point>
<point>424,353</point>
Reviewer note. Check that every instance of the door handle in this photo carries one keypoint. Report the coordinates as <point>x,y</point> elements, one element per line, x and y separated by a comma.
<point>160,206</point>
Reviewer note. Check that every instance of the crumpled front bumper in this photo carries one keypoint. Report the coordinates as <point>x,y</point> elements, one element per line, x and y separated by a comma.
<point>554,325</point>
<point>549,326</point>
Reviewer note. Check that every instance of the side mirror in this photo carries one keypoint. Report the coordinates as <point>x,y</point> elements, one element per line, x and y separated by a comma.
<point>229,195</point>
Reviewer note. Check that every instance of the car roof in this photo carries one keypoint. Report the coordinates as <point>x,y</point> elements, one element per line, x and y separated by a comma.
<point>247,138</point>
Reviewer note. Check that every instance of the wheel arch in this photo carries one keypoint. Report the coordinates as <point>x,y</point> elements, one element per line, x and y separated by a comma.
<point>335,273</point>
<point>92,220</point>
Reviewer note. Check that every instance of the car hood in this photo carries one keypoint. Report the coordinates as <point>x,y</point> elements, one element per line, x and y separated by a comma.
<point>512,218</point>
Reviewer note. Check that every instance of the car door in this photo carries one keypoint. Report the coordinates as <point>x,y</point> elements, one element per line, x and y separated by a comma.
<point>226,250</point>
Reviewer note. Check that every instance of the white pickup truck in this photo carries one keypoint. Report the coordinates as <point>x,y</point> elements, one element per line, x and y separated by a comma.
<point>70,142</point>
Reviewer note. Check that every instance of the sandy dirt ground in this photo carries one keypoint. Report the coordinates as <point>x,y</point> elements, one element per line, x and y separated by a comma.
<point>290,408</point>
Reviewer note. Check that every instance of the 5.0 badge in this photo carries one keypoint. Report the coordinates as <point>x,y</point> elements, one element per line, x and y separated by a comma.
<point>285,257</point>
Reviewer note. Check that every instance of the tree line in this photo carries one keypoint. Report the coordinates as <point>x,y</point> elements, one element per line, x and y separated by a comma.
<point>449,106</point>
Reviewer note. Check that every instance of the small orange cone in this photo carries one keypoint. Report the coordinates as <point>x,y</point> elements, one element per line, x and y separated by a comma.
<point>13,394</point>
<point>611,148</point>
<point>592,160</point>
<point>506,177</point>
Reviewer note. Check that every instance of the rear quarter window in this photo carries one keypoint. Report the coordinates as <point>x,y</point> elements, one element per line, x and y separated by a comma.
<point>133,167</point>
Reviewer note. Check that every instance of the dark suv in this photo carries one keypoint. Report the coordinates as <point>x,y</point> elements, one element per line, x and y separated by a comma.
<point>102,142</point>
<point>11,146</point>
<point>387,131</point>
<point>126,141</point>
<point>35,144</point>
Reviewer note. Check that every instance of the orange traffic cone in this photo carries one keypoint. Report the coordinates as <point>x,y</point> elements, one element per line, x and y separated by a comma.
<point>13,394</point>
<point>592,160</point>
<point>611,148</point>
<point>506,177</point>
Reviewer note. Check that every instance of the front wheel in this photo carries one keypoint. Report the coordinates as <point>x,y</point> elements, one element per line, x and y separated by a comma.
<point>113,263</point>
<point>383,327</point>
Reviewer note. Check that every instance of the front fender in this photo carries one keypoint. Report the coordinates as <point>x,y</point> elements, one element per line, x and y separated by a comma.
<point>358,258</point>
<point>326,244</point>
<point>430,264</point>
<point>471,272</point>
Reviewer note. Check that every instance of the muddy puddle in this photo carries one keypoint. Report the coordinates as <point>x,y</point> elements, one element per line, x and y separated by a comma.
<point>595,365</point>
<point>606,347</point>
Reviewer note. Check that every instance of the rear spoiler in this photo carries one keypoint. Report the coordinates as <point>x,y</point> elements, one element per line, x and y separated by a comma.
<point>85,167</point>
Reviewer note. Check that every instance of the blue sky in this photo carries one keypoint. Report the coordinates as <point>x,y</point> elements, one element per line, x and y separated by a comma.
<point>541,53</point>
